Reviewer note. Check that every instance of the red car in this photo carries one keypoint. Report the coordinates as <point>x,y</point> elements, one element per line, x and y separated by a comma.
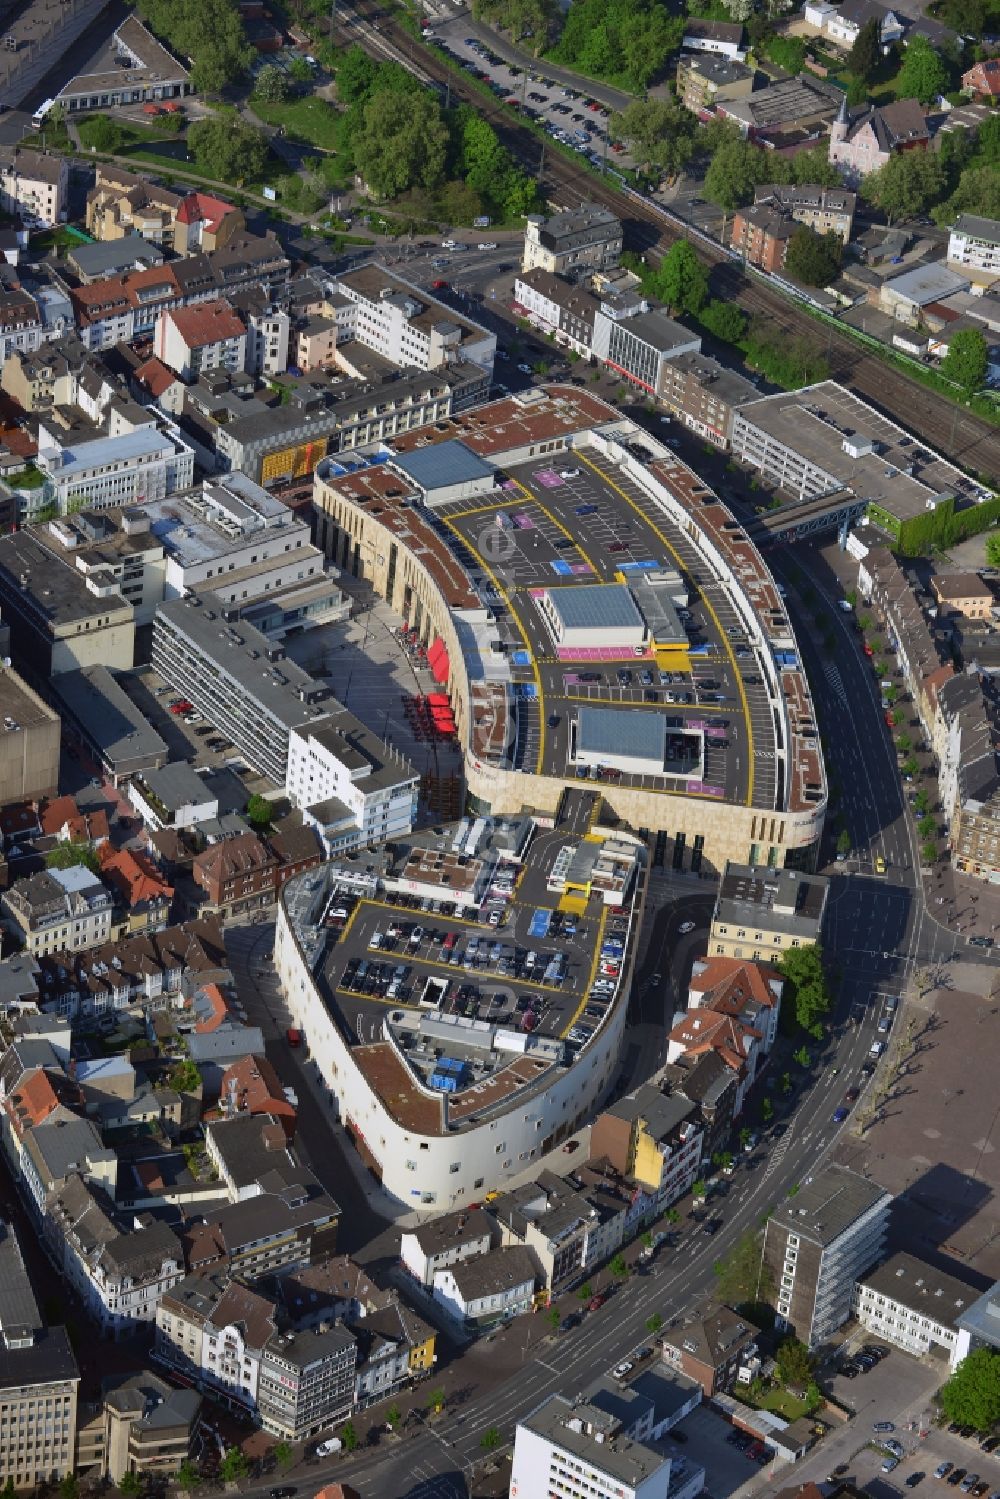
<point>439,286</point>
<point>181,707</point>
<point>868,650</point>
<point>595,1303</point>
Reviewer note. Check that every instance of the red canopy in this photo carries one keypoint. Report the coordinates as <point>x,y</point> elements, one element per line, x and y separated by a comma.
<point>440,665</point>
<point>435,649</point>
<point>439,699</point>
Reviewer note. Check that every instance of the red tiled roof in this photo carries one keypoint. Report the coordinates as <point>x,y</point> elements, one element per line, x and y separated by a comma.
<point>216,999</point>
<point>117,294</point>
<point>206,323</point>
<point>203,208</point>
<point>252,1086</point>
<point>728,980</point>
<point>135,880</point>
<point>705,1030</point>
<point>156,377</point>
<point>33,1101</point>
<point>56,814</point>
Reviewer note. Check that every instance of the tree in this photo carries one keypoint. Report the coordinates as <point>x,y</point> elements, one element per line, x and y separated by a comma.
<point>736,168</point>
<point>403,143</point>
<point>585,1291</point>
<point>283,1455</point>
<point>210,32</point>
<point>966,360</point>
<point>490,1439</point>
<point>130,1484</point>
<point>844,842</point>
<point>908,184</point>
<point>767,1111</point>
<point>972,1394</point>
<point>794,1363</point>
<point>909,766</point>
<point>724,320</point>
<point>904,743</point>
<point>660,133</point>
<point>742,1276</point>
<point>866,53</point>
<point>809,1000</point>
<point>271,86</point>
<point>787,52</point>
<point>681,280</point>
<point>524,19</point>
<point>923,75</point>
<point>234,1465</point>
<point>624,41</point>
<point>259,811</point>
<point>68,855</point>
<point>102,133</point>
<point>349,1436</point>
<point>654,1323</point>
<point>929,851</point>
<point>922,802</point>
<point>185,1077</point>
<point>435,1401</point>
<point>802,1056</point>
<point>813,258</point>
<point>554,1318</point>
<point>618,1267</point>
<point>393,1416</point>
<point>69,1486</point>
<point>300,71</point>
<point>356,75</point>
<point>228,150</point>
<point>927,827</point>
<point>187,1476</point>
<point>698,1191</point>
<point>815,166</point>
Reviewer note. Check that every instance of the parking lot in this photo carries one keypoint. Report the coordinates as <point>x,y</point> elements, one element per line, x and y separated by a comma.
<point>573,520</point>
<point>568,114</point>
<point>516,960</point>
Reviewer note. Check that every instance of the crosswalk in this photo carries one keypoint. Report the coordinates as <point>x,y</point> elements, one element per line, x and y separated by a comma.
<point>836,682</point>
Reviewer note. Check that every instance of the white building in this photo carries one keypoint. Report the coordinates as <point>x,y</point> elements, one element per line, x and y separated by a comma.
<point>58,910</point>
<point>914,1306</point>
<point>174,796</point>
<point>404,324</point>
<point>129,466</point>
<point>585,615</point>
<point>489,1289</point>
<point>578,1449</point>
<point>587,236</point>
<point>33,185</point>
<point>443,1242</point>
<point>204,336</point>
<point>974,248</point>
<point>352,787</point>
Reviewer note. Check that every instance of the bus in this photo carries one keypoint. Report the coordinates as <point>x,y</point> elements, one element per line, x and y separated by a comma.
<point>38,118</point>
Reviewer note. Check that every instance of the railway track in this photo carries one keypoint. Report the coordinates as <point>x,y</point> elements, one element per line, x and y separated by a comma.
<point>968,440</point>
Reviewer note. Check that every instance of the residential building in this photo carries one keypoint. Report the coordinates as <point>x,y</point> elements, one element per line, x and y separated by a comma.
<point>142,897</point>
<point>120,1274</point>
<point>754,987</point>
<point>652,1138</point>
<point>967,594</point>
<point>62,1145</point>
<point>273,1233</point>
<point>121,203</point>
<point>974,245</point>
<point>983,79</point>
<point>588,237</point>
<point>58,909</point>
<point>578,1450</point>
<point>268,331</point>
<point>245,872</point>
<point>403,324</point>
<point>92,262</point>
<point>818,1243</point>
<point>34,185</point>
<point>722,37</point>
<point>29,742</point>
<point>557,306</point>
<point>352,787</point>
<point>251,1086</point>
<point>863,139</point>
<point>61,818</point>
<point>203,336</point>
<point>142,1425</point>
<point>443,1242</point>
<point>704,394</point>
<point>39,1380</point>
<point>241,682</point>
<point>394,1347</point>
<point>204,223</point>
<point>827,210</point>
<point>842,23</point>
<point>923,655</point>
<point>315,344</point>
<point>21,327</point>
<point>759,912</point>
<point>824,441</point>
<point>914,1306</point>
<point>251,1151</point>
<point>639,345</point>
<point>760,233</point>
<point>487,1291</point>
<point>710,1346</point>
<point>175,796</point>
<point>307,1381</point>
<point>707,79</point>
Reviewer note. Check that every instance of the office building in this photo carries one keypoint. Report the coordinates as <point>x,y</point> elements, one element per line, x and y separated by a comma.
<point>39,1380</point>
<point>974,248</point>
<point>33,186</point>
<point>759,912</point>
<point>704,394</point>
<point>352,787</point>
<point>141,1425</point>
<point>29,742</point>
<point>58,622</point>
<point>818,1243</point>
<point>585,238</point>
<point>706,80</point>
<point>238,679</point>
<point>914,1306</point>
<point>147,73</point>
<point>114,551</point>
<point>640,345</point>
<point>579,1450</point>
<point>129,465</point>
<point>405,325</point>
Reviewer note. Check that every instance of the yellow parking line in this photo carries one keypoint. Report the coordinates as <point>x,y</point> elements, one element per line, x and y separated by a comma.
<point>723,637</point>
<point>504,594</point>
<point>594,965</point>
<point>613,702</point>
<point>554,520</point>
<point>483,509</point>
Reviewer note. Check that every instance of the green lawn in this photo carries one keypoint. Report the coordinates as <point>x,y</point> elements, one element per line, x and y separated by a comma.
<point>171,156</point>
<point>63,237</point>
<point>781,1403</point>
<point>309,119</point>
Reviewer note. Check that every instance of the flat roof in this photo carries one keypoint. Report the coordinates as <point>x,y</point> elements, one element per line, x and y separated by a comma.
<point>219,516</point>
<point>595,606</point>
<point>108,716</point>
<point>927,283</point>
<point>442,464</point>
<point>785,899</point>
<point>57,591</point>
<point>19,703</point>
<point>622,1459</point>
<point>622,733</point>
<point>922,1287</point>
<point>371,281</point>
<point>829,1204</point>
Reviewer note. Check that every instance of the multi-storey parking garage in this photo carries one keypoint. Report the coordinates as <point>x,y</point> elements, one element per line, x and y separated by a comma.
<point>615,654</point>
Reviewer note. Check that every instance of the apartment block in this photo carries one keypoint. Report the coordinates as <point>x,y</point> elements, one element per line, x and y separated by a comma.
<point>759,912</point>
<point>58,910</point>
<point>558,306</point>
<point>818,1243</point>
<point>704,395</point>
<point>33,185</point>
<point>579,1450</point>
<point>404,324</point>
<point>760,233</point>
<point>653,1138</point>
<point>827,210</point>
<point>204,336</point>
<point>640,345</point>
<point>353,788</point>
<point>974,248</point>
<point>587,237</point>
<point>705,80</point>
<point>711,1345</point>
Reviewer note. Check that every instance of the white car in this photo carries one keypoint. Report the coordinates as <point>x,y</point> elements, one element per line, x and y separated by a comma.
<point>620,1370</point>
<point>526,369</point>
<point>331,1445</point>
<point>876,1049</point>
<point>685,927</point>
<point>569,473</point>
<point>487,244</point>
<point>449,244</point>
